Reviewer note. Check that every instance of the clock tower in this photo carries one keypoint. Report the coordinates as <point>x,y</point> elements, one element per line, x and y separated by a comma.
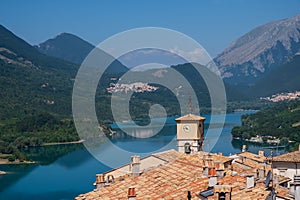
<point>190,133</point>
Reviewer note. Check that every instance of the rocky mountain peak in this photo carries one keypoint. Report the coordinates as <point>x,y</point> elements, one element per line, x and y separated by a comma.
<point>261,49</point>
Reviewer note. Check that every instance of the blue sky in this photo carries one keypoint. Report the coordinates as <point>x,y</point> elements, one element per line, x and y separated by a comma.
<point>213,23</point>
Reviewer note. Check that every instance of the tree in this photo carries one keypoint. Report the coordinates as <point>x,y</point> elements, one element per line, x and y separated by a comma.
<point>12,158</point>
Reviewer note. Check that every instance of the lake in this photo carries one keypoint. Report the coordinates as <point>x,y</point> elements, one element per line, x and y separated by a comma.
<point>65,171</point>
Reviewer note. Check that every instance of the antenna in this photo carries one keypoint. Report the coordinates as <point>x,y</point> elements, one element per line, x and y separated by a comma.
<point>272,176</point>
<point>190,105</point>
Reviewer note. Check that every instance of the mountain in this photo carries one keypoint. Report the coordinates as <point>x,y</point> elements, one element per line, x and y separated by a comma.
<point>30,80</point>
<point>71,48</point>
<point>14,50</point>
<point>285,78</point>
<point>255,54</point>
<point>67,47</point>
<point>35,97</point>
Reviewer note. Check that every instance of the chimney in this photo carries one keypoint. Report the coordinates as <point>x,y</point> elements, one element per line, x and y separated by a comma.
<point>261,153</point>
<point>299,147</point>
<point>275,180</point>
<point>262,173</point>
<point>220,171</point>
<point>100,181</point>
<point>217,164</point>
<point>110,179</point>
<point>131,193</point>
<point>249,182</point>
<point>135,165</point>
<point>205,171</point>
<point>212,181</point>
<point>223,191</point>
<point>212,171</point>
<point>296,187</point>
<point>244,148</point>
<point>255,172</point>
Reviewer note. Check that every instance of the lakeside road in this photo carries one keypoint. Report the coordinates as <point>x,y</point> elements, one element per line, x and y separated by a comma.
<point>60,143</point>
<point>4,161</point>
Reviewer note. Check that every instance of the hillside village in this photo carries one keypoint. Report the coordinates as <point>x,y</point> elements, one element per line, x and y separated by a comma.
<point>283,96</point>
<point>137,87</point>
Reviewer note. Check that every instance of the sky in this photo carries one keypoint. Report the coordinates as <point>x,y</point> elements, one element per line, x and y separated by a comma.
<point>212,23</point>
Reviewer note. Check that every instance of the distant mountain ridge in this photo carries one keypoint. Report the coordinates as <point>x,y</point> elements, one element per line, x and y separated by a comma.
<point>261,50</point>
<point>72,48</point>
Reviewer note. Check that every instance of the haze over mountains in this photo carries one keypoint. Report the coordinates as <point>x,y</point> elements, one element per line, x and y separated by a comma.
<point>247,64</point>
<point>285,78</point>
<point>260,63</point>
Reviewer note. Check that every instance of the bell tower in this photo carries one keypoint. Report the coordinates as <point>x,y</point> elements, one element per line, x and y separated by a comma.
<point>190,133</point>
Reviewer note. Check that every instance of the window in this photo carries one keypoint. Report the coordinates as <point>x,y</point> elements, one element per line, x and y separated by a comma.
<point>282,172</point>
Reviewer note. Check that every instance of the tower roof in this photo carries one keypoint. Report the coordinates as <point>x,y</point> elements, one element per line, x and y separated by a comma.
<point>190,117</point>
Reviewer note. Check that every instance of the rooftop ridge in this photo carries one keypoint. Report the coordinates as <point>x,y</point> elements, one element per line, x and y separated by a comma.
<point>288,157</point>
<point>190,117</point>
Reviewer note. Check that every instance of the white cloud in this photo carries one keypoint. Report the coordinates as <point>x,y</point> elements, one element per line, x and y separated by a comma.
<point>197,55</point>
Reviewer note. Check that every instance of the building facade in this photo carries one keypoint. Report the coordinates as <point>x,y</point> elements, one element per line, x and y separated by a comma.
<point>190,133</point>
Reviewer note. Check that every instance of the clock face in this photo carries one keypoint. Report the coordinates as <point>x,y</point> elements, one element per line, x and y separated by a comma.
<point>186,128</point>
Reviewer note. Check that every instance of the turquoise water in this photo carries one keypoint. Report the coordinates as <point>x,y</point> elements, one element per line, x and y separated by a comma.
<point>65,171</point>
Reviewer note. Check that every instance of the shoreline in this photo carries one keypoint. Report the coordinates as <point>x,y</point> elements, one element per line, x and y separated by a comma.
<point>61,143</point>
<point>4,161</point>
<point>271,143</point>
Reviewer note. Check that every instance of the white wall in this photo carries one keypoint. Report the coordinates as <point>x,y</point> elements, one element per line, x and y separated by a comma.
<point>288,168</point>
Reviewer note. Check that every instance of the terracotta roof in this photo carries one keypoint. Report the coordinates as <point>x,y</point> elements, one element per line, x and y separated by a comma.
<point>173,179</point>
<point>221,158</point>
<point>283,193</point>
<point>253,156</point>
<point>161,182</point>
<point>168,156</point>
<point>240,169</point>
<point>283,179</point>
<point>211,158</point>
<point>248,163</point>
<point>289,157</point>
<point>239,191</point>
<point>258,192</point>
<point>191,117</point>
<point>147,162</point>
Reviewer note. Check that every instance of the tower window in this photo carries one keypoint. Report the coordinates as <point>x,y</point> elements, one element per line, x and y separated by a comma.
<point>187,148</point>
